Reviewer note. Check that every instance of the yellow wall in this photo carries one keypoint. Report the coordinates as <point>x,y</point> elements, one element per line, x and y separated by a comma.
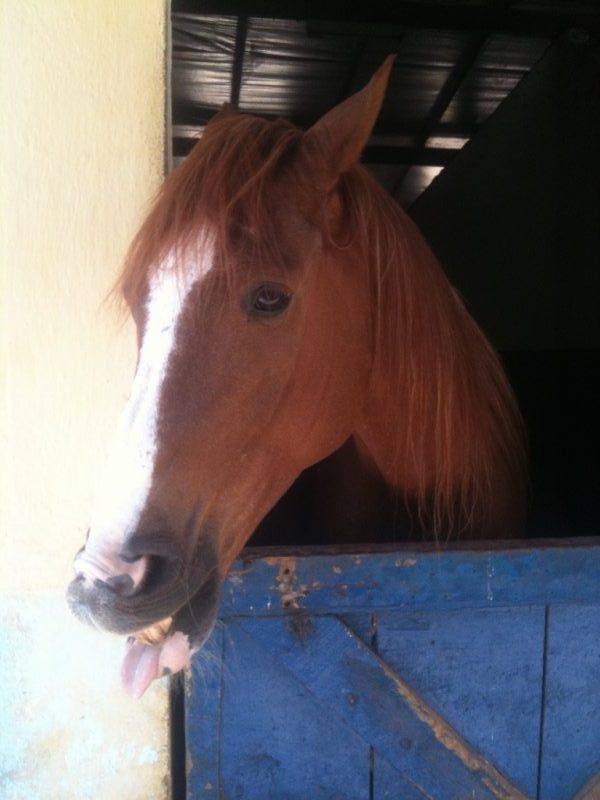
<point>81,152</point>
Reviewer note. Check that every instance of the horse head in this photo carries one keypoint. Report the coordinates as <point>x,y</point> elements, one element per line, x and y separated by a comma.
<point>259,355</point>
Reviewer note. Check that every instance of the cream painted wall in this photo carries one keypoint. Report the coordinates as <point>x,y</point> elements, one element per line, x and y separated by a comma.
<point>81,152</point>
<point>81,148</point>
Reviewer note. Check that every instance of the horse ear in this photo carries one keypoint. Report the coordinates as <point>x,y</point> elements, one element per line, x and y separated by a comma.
<point>338,138</point>
<point>226,110</point>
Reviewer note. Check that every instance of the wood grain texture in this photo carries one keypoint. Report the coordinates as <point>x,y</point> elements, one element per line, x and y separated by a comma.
<point>481,669</point>
<point>382,708</point>
<point>203,703</point>
<point>571,738</point>
<point>277,739</point>
<point>404,674</point>
<point>414,578</point>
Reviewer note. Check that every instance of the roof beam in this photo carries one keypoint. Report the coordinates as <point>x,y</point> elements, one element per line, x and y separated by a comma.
<point>188,121</point>
<point>451,85</point>
<point>373,154</point>
<point>385,19</point>
<point>238,60</point>
<point>353,67</point>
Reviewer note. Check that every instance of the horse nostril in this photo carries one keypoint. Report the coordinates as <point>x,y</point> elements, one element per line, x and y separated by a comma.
<point>123,585</point>
<point>157,555</point>
<point>104,567</point>
<point>160,571</point>
<point>136,571</point>
<point>129,559</point>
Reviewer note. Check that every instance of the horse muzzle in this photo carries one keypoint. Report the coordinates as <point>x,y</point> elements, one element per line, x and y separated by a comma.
<point>147,581</point>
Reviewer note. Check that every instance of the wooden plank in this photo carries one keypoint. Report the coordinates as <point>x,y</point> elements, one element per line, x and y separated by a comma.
<point>350,681</point>
<point>591,791</point>
<point>277,740</point>
<point>413,578</point>
<point>480,669</point>
<point>388,784</point>
<point>571,736</point>
<point>444,619</point>
<point>203,692</point>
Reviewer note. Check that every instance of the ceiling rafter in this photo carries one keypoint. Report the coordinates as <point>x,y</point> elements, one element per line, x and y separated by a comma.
<point>457,61</point>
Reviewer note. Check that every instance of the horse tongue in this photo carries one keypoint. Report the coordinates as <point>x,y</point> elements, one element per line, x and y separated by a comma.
<point>140,667</point>
<point>144,662</point>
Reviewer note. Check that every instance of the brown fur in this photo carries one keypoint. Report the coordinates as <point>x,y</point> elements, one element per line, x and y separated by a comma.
<point>439,419</point>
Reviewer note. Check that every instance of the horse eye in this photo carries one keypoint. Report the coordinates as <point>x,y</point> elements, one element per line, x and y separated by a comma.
<point>268,299</point>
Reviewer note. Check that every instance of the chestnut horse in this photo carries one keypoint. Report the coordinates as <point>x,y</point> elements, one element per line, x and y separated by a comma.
<point>286,307</point>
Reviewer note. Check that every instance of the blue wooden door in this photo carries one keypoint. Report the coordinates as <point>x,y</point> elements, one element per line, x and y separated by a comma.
<point>401,674</point>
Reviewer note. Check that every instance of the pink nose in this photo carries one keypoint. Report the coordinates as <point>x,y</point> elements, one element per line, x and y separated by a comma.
<point>124,576</point>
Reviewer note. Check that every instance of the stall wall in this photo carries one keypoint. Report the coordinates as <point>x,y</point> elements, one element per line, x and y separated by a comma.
<point>81,152</point>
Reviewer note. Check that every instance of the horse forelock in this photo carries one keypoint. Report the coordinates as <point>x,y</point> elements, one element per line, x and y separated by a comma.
<point>226,185</point>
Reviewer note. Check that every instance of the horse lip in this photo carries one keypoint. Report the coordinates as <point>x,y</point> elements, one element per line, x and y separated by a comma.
<point>99,606</point>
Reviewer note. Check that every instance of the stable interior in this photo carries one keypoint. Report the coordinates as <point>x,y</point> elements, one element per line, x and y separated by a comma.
<point>489,139</point>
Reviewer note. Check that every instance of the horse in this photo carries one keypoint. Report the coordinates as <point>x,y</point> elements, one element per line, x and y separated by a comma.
<point>288,314</point>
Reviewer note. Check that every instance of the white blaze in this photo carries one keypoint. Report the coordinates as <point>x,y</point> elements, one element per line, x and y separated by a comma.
<point>127,476</point>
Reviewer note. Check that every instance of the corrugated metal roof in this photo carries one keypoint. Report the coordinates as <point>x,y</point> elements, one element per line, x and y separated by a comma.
<point>445,84</point>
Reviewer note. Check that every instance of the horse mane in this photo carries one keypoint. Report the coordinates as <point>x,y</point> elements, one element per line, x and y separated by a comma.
<point>459,449</point>
<point>459,435</point>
